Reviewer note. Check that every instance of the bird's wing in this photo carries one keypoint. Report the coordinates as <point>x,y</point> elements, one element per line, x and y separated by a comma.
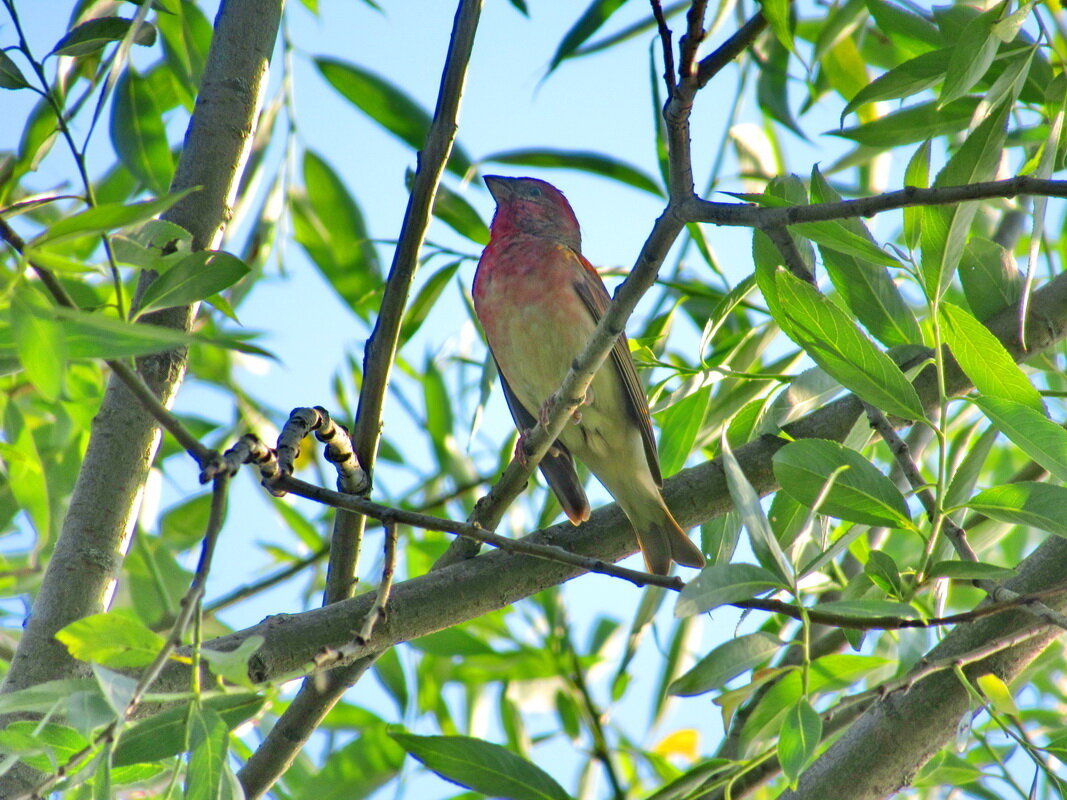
<point>596,298</point>
<point>557,466</point>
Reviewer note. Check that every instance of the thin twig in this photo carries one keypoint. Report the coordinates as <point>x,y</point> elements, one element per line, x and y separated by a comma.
<point>712,65</point>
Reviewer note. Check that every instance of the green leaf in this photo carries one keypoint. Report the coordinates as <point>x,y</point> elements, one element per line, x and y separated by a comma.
<point>912,124</point>
<point>582,161</point>
<point>209,738</point>
<point>859,493</point>
<point>111,639</point>
<point>917,173</point>
<point>801,732</point>
<point>107,217</point>
<point>998,694</point>
<point>772,87</point>
<point>357,769</point>
<point>679,425</point>
<point>869,609</point>
<point>990,279</point>
<point>747,503</point>
<point>97,336</point>
<point>38,340</point>
<point>482,767</point>
<point>387,105</point>
<point>589,23</point>
<point>835,234</point>
<point>970,571</point>
<point>45,697</point>
<point>834,342</point>
<point>164,735</point>
<point>913,76</point>
<point>866,288</point>
<point>721,584</point>
<point>43,746</point>
<point>945,229</point>
<point>1034,433</point>
<point>196,277</point>
<point>232,665</point>
<point>1036,505</point>
<point>910,32</point>
<point>424,301</point>
<point>138,133</point>
<point>329,225</point>
<point>985,360</point>
<point>778,17</point>
<point>972,54</point>
<point>95,34</point>
<point>11,76</point>
<point>454,210</point>
<point>726,662</point>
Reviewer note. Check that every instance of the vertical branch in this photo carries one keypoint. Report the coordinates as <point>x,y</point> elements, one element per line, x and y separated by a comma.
<point>313,702</point>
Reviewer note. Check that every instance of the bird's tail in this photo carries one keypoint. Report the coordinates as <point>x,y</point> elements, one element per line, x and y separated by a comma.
<point>662,540</point>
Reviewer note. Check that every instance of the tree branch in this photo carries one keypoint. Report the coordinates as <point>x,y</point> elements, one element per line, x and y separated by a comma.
<point>469,589</point>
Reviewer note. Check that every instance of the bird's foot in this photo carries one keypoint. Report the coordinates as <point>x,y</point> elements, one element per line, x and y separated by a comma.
<point>520,447</point>
<point>576,415</point>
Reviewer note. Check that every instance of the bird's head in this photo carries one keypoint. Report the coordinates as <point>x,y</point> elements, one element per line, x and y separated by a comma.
<point>533,207</point>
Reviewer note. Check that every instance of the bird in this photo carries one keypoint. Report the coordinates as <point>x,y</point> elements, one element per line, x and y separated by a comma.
<point>538,301</point>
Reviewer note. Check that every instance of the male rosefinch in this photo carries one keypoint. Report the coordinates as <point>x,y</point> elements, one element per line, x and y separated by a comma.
<point>539,300</point>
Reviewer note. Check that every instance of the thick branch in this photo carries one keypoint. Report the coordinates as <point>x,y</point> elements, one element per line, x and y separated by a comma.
<point>495,580</point>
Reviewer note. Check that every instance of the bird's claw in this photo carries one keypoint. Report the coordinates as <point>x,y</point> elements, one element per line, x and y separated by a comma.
<point>576,415</point>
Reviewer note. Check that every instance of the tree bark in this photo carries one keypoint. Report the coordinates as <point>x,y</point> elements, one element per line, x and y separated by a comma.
<point>103,509</point>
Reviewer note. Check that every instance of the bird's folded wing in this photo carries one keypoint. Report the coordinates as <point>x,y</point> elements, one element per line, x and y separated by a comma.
<point>596,298</point>
<point>557,466</point>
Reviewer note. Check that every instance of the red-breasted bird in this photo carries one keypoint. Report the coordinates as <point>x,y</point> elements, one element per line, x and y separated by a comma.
<point>539,300</point>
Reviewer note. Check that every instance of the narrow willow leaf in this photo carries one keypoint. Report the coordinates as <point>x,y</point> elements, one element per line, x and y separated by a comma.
<point>594,16</point>
<point>990,279</point>
<point>868,609</point>
<point>972,54</point>
<point>196,277</point>
<point>329,225</point>
<point>798,740</point>
<point>726,662</point>
<point>748,505</point>
<point>913,76</point>
<point>998,694</point>
<point>679,426</point>
<point>39,341</point>
<point>866,287</point>
<point>985,360</point>
<point>945,230</point>
<point>583,161</point>
<point>424,301</point>
<point>95,34</point>
<point>388,105</point>
<point>720,584</point>
<point>1036,505</point>
<point>111,639</point>
<point>1034,433</point>
<point>138,133</point>
<point>917,173</point>
<point>834,342</point>
<point>107,217</point>
<point>209,738</point>
<point>970,571</point>
<point>912,124</point>
<point>913,33</point>
<point>482,766</point>
<point>164,735</point>
<point>11,76</point>
<point>859,493</point>
<point>772,87</point>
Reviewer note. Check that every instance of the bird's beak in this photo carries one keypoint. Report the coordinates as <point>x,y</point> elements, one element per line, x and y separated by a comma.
<point>499,187</point>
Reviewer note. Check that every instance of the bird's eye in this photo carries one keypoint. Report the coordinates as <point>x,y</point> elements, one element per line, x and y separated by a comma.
<point>534,191</point>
